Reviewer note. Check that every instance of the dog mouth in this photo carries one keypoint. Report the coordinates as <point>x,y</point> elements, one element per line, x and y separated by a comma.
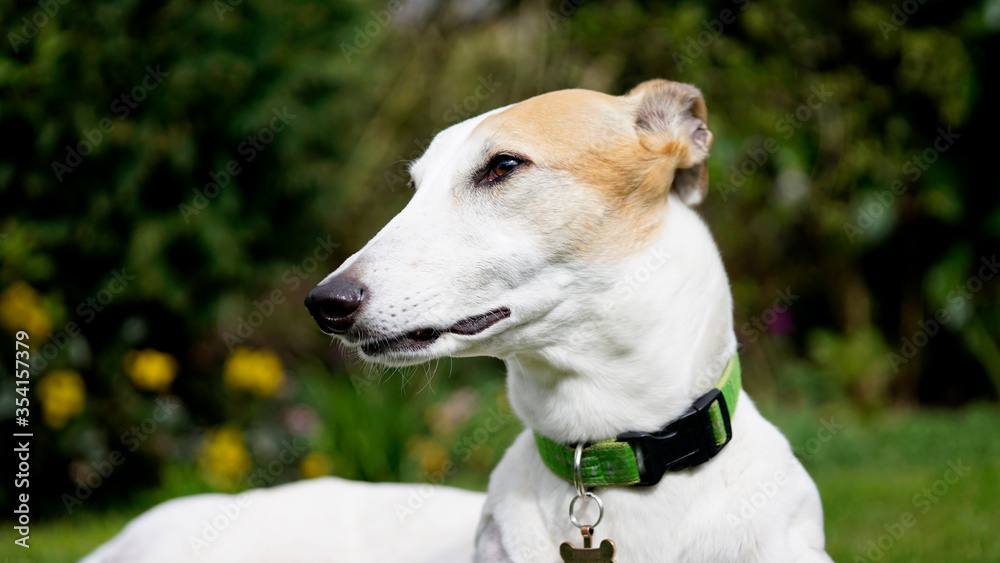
<point>424,337</point>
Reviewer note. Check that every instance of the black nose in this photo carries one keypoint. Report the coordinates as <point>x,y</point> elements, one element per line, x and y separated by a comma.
<point>333,304</point>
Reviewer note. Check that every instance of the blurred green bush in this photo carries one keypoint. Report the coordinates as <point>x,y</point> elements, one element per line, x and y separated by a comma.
<point>178,175</point>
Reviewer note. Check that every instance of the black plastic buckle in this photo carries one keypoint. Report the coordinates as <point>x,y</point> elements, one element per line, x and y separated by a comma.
<point>686,442</point>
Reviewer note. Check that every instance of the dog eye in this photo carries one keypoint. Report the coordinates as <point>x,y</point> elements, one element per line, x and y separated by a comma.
<point>500,166</point>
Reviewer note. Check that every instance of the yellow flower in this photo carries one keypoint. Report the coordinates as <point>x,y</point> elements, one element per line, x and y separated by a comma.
<point>150,369</point>
<point>316,464</point>
<point>20,309</point>
<point>223,458</point>
<point>429,454</point>
<point>257,371</point>
<point>62,395</point>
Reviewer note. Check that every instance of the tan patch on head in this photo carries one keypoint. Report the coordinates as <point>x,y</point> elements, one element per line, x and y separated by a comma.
<point>593,139</point>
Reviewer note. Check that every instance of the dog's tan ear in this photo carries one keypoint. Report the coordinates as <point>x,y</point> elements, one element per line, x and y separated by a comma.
<point>672,120</point>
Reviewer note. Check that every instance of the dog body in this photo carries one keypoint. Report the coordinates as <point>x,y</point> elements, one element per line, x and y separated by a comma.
<point>557,234</point>
<point>314,521</point>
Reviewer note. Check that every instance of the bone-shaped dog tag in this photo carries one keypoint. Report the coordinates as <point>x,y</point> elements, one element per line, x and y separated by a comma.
<point>604,553</point>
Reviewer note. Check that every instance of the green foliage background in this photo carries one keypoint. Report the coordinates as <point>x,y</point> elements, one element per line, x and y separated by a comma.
<point>819,111</point>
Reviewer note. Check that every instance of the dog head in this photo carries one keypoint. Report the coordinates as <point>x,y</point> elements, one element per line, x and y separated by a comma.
<point>517,214</point>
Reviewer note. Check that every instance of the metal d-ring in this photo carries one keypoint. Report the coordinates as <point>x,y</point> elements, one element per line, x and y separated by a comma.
<point>580,492</point>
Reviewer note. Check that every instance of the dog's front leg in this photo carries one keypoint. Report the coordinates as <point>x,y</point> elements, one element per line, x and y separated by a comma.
<point>521,547</point>
<point>489,543</point>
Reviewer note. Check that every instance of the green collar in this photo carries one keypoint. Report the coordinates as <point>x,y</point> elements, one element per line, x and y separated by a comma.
<point>641,459</point>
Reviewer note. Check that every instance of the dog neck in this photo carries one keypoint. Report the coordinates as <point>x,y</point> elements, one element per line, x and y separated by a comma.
<point>635,354</point>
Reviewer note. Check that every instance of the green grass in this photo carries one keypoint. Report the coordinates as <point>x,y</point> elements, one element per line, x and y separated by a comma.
<point>66,539</point>
<point>869,473</point>
<point>876,470</point>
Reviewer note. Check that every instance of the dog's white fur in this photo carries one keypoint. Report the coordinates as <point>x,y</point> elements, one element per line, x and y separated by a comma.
<point>620,317</point>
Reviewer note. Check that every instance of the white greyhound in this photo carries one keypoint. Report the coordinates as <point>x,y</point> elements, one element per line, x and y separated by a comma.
<point>555,234</point>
